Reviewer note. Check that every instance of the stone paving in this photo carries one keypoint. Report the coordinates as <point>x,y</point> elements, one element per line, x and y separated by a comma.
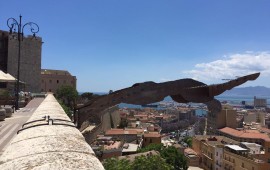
<point>10,126</point>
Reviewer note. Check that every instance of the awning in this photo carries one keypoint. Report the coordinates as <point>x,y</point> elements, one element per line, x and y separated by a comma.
<point>236,147</point>
<point>6,77</point>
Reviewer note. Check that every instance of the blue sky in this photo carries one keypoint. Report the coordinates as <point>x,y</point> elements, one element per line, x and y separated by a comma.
<point>113,44</point>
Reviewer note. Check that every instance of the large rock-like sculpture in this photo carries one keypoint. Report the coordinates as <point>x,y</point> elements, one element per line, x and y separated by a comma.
<point>182,91</point>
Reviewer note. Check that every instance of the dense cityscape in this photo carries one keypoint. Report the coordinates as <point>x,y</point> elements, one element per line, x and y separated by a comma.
<point>239,134</point>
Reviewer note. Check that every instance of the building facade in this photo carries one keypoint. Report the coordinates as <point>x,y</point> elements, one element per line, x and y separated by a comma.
<point>30,60</point>
<point>236,157</point>
<point>225,118</point>
<point>51,80</point>
<point>218,157</point>
<point>149,138</point>
<point>252,136</point>
<point>185,114</point>
<point>122,134</point>
<point>255,117</point>
<point>222,153</point>
<point>260,102</point>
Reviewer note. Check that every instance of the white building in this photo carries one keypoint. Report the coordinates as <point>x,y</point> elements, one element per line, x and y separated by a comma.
<point>219,156</point>
<point>253,147</point>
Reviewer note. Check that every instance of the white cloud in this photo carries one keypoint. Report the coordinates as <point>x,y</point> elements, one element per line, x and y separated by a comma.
<point>231,66</point>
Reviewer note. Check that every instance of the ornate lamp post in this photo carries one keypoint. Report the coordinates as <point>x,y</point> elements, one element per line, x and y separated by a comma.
<point>13,24</point>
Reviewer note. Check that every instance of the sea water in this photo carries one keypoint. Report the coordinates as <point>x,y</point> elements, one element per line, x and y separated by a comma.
<point>231,99</point>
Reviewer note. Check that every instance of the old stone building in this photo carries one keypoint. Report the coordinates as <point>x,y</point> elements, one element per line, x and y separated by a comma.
<point>226,153</point>
<point>30,61</point>
<point>260,102</point>
<point>225,118</point>
<point>51,80</point>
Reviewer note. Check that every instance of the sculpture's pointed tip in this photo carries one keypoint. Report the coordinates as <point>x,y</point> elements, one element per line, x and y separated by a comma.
<point>254,76</point>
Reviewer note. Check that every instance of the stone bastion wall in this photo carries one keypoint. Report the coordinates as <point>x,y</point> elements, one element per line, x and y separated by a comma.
<point>49,140</point>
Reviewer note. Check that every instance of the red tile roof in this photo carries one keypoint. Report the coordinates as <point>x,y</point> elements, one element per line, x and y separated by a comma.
<point>141,115</point>
<point>189,151</point>
<point>152,135</point>
<point>137,130</point>
<point>121,132</point>
<point>265,130</point>
<point>255,134</point>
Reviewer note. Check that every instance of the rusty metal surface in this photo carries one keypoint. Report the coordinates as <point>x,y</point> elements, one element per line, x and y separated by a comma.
<point>181,91</point>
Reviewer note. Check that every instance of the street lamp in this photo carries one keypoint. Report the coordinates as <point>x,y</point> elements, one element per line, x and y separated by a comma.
<point>13,24</point>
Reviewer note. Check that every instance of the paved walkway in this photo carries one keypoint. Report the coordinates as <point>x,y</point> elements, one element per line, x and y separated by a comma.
<point>10,126</point>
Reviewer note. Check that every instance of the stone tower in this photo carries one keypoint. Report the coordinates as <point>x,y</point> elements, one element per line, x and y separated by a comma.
<point>30,63</point>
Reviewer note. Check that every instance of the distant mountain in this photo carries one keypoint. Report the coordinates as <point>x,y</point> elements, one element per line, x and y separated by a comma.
<point>249,91</point>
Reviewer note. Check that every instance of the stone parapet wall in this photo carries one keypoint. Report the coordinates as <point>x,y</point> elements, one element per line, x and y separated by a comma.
<point>50,146</point>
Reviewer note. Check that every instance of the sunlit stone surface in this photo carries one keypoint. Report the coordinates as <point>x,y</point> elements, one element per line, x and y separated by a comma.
<point>49,146</point>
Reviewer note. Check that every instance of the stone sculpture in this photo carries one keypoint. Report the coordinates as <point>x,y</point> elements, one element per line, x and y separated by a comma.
<point>181,91</point>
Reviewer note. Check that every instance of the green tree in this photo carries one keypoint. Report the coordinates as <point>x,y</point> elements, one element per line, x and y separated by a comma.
<point>174,158</point>
<point>67,110</point>
<point>188,141</point>
<point>153,162</point>
<point>87,95</point>
<point>152,146</point>
<point>170,154</point>
<point>67,95</point>
<point>117,164</point>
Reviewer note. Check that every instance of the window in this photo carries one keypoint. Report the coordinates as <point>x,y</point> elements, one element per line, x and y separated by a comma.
<point>217,154</point>
<point>50,81</point>
<point>243,165</point>
<point>268,149</point>
<point>57,81</point>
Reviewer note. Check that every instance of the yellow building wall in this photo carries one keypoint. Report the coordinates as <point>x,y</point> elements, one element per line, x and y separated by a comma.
<point>238,162</point>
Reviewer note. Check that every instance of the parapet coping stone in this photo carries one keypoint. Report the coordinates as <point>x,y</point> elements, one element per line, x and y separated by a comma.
<point>49,146</point>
